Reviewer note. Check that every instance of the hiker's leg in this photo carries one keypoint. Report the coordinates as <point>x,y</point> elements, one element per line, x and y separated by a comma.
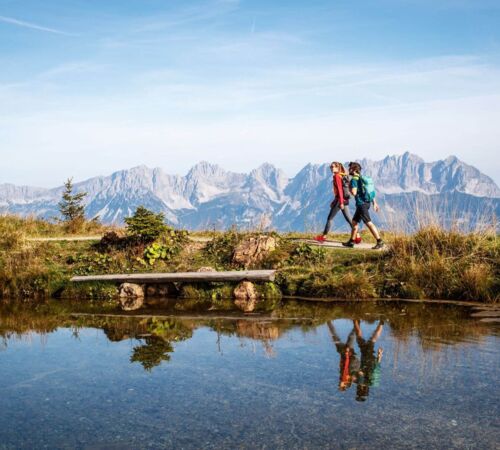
<point>333,212</point>
<point>333,332</point>
<point>351,339</point>
<point>355,229</point>
<point>357,328</point>
<point>347,217</point>
<point>371,226</point>
<point>376,334</point>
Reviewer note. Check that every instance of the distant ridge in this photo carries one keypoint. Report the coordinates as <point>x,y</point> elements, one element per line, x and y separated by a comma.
<point>209,196</point>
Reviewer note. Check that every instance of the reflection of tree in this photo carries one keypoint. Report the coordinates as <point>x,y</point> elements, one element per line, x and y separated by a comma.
<point>158,345</point>
<point>152,353</point>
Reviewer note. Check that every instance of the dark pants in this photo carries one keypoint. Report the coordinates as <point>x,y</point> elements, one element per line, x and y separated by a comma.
<point>335,208</point>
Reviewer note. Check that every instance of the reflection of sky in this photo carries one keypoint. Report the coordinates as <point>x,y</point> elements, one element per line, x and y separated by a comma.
<point>171,83</point>
<point>85,391</point>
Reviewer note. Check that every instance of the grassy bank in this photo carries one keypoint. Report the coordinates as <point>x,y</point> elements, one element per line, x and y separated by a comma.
<point>429,264</point>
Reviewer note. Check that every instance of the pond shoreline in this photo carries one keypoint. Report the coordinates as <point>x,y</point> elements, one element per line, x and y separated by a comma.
<point>38,259</point>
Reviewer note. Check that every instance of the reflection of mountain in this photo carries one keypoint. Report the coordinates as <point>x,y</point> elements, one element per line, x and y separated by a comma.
<point>209,196</point>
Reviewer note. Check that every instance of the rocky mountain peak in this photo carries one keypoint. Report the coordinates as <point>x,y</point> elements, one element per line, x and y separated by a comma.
<point>204,169</point>
<point>209,195</point>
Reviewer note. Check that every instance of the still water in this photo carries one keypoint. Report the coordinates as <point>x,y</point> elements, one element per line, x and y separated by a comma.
<point>359,375</point>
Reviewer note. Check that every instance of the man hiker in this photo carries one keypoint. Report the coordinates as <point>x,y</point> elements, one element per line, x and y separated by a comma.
<point>364,193</point>
<point>369,373</point>
<point>340,201</point>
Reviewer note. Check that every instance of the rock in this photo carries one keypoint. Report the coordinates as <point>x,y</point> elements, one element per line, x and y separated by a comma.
<point>206,269</point>
<point>253,250</point>
<point>162,290</point>
<point>131,296</point>
<point>152,291</point>
<point>245,296</point>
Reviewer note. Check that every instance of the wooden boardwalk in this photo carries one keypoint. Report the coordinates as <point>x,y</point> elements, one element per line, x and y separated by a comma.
<point>186,277</point>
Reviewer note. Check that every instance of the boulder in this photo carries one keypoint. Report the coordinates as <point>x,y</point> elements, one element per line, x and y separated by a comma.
<point>253,250</point>
<point>245,296</point>
<point>131,296</point>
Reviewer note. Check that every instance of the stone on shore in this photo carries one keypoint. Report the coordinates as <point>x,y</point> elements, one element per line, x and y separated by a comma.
<point>131,296</point>
<point>253,250</point>
<point>245,296</point>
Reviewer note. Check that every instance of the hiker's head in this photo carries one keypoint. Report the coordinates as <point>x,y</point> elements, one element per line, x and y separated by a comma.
<point>362,392</point>
<point>345,383</point>
<point>354,167</point>
<point>337,167</point>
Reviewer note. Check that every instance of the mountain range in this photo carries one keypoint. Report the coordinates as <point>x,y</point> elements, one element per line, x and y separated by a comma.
<point>410,191</point>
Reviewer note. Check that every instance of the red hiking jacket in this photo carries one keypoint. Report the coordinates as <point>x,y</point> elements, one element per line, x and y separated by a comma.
<point>338,190</point>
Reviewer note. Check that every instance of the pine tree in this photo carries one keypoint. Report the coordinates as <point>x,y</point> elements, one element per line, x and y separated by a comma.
<point>145,225</point>
<point>71,206</point>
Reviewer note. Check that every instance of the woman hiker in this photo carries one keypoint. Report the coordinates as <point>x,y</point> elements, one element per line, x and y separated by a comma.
<point>340,201</point>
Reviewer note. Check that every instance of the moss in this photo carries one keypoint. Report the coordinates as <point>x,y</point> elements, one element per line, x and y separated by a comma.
<point>90,290</point>
<point>207,291</point>
<point>268,291</point>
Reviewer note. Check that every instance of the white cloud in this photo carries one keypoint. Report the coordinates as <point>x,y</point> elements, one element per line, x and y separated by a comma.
<point>289,117</point>
<point>33,26</point>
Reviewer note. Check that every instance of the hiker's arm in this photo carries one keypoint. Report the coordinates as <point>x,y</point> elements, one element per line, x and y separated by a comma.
<point>354,187</point>
<point>340,190</point>
<point>376,206</point>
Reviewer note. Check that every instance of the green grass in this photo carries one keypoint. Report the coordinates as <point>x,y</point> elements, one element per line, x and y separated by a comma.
<point>429,264</point>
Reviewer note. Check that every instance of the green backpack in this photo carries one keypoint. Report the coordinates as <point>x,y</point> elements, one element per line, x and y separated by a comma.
<point>367,188</point>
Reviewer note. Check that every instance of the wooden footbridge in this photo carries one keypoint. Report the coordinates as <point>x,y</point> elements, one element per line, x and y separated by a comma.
<point>183,277</point>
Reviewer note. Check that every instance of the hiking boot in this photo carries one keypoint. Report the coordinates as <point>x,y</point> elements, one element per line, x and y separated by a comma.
<point>348,244</point>
<point>380,244</point>
<point>357,240</point>
<point>320,238</point>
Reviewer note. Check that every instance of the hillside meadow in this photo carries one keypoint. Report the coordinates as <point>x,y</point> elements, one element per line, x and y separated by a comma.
<point>429,264</point>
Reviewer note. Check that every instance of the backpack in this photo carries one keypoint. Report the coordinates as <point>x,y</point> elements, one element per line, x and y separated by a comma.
<point>346,191</point>
<point>367,188</point>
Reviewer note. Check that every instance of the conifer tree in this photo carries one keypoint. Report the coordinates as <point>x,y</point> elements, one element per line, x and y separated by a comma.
<point>71,206</point>
<point>145,225</point>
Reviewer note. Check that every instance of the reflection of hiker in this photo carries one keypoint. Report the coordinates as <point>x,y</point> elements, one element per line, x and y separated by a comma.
<point>369,373</point>
<point>364,192</point>
<point>340,202</point>
<point>349,363</point>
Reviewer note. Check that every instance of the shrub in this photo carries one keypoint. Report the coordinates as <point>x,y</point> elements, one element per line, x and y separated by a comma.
<point>307,254</point>
<point>221,248</point>
<point>145,225</point>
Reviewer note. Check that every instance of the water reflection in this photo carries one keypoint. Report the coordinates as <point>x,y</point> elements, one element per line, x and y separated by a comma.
<point>296,376</point>
<point>156,332</point>
<point>364,371</point>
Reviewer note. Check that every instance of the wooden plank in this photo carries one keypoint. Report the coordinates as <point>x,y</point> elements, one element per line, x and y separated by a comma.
<point>64,238</point>
<point>187,277</point>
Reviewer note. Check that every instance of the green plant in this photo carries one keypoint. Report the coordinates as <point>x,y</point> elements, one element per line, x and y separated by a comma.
<point>157,251</point>
<point>305,253</point>
<point>89,264</point>
<point>145,225</point>
<point>221,248</point>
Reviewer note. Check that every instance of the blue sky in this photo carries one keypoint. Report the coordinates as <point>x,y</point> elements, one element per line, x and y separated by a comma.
<point>92,86</point>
